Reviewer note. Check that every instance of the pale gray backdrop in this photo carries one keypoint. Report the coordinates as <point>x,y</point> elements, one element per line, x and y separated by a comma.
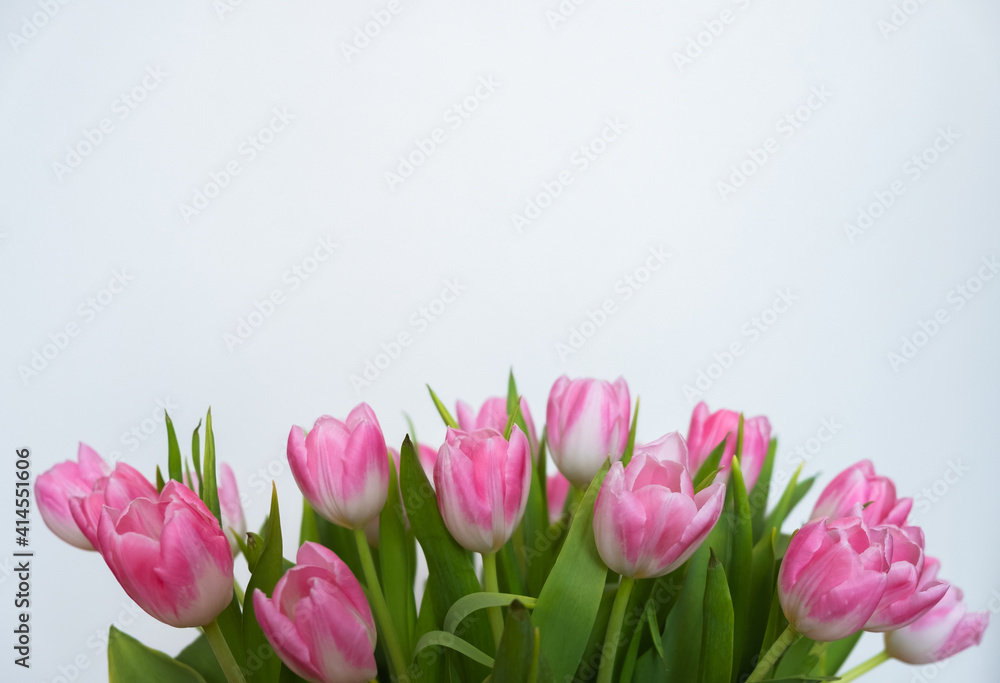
<point>593,188</point>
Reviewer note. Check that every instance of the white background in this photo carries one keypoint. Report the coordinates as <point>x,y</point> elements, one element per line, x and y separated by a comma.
<point>65,232</point>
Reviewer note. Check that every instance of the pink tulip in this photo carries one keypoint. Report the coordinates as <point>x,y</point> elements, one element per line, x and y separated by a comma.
<point>556,489</point>
<point>427,457</point>
<point>170,555</point>
<point>318,620</point>
<point>114,492</point>
<point>670,446</point>
<point>944,631</point>
<point>341,467</point>
<point>67,480</point>
<point>833,576</point>
<point>647,518</point>
<point>482,483</point>
<point>859,485</point>
<point>493,415</point>
<point>909,591</point>
<point>707,431</point>
<point>233,521</point>
<point>587,422</point>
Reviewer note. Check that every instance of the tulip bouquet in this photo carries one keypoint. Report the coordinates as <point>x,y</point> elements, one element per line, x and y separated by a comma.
<point>661,561</point>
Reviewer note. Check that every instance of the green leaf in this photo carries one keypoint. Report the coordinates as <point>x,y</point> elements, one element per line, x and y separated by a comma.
<point>776,625</point>
<point>266,572</point>
<point>397,581</point>
<point>801,489</point>
<point>709,468</point>
<point>442,411</point>
<point>511,421</point>
<point>308,530</point>
<point>762,582</point>
<point>631,656</point>
<point>717,626</point>
<point>410,428</point>
<point>199,656</point>
<point>196,455</point>
<point>739,438</point>
<point>836,654</point>
<point>450,569</point>
<point>801,657</point>
<point>630,446</point>
<point>518,657</point>
<point>130,661</point>
<point>683,630</point>
<point>430,666</point>
<point>252,549</point>
<point>740,565</point>
<point>758,497</point>
<point>210,488</point>
<point>535,550</point>
<point>174,468</point>
<point>450,640</point>
<point>571,596</point>
<point>784,505</point>
<point>590,661</point>
<point>465,606</point>
<point>160,483</point>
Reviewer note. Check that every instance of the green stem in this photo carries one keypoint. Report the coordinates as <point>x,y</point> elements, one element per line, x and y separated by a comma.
<point>764,666</point>
<point>379,607</point>
<point>614,630</point>
<point>865,667</point>
<point>223,653</point>
<point>239,591</point>
<point>490,585</point>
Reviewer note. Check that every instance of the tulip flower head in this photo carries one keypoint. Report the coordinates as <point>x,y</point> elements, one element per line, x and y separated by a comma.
<point>341,467</point>
<point>493,415</point>
<point>708,430</point>
<point>556,489</point>
<point>55,488</point>
<point>859,485</point>
<point>170,555</point>
<point>910,591</point>
<point>833,576</point>
<point>944,631</point>
<point>647,518</point>
<point>114,492</point>
<point>587,422</point>
<point>233,521</point>
<point>319,621</point>
<point>482,483</point>
<point>670,446</point>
